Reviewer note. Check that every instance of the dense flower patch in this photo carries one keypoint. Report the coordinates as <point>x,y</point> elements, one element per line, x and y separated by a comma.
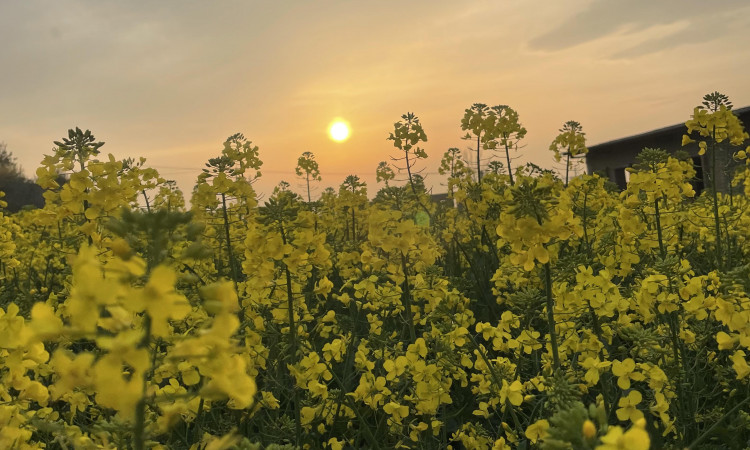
<point>529,311</point>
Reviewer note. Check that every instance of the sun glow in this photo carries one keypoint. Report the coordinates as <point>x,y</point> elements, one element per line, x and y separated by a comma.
<point>339,130</point>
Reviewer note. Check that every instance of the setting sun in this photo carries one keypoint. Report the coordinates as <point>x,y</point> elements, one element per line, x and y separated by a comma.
<point>339,130</point>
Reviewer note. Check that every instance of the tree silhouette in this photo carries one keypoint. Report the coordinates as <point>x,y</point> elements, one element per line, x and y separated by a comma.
<point>19,190</point>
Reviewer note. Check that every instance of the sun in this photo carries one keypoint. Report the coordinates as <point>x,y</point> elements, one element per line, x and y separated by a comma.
<point>339,130</point>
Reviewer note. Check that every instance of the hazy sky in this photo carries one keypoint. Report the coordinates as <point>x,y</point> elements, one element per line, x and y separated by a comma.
<point>171,80</point>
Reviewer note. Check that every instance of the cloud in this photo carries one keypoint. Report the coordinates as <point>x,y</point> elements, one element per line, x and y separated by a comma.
<point>703,21</point>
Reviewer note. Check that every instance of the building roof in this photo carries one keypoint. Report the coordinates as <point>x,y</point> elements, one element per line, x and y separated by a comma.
<point>678,128</point>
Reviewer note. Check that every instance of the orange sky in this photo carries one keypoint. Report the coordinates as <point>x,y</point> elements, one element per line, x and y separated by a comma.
<point>170,80</point>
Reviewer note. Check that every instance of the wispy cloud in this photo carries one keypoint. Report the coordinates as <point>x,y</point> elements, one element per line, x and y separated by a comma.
<point>602,18</point>
<point>175,77</point>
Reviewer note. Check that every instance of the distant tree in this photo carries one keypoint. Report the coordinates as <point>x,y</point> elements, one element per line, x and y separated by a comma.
<point>8,166</point>
<point>19,190</point>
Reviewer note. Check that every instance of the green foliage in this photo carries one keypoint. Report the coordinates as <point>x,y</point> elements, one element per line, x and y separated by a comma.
<point>487,322</point>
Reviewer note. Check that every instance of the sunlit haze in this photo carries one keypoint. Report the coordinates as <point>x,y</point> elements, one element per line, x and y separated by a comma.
<point>339,131</point>
<point>171,80</point>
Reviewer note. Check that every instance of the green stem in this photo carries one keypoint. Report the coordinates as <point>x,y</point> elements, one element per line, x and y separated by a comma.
<point>145,197</point>
<point>479,172</point>
<point>716,423</point>
<point>551,315</point>
<point>407,300</point>
<point>507,157</point>
<point>198,421</point>
<point>683,400</point>
<point>662,250</point>
<point>494,375</point>
<point>230,255</point>
<point>292,345</point>
<point>139,438</point>
<point>585,227</point>
<point>307,179</point>
<point>600,335</point>
<point>715,199</point>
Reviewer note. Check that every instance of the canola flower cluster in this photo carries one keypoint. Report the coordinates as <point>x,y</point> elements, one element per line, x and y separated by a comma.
<point>528,312</point>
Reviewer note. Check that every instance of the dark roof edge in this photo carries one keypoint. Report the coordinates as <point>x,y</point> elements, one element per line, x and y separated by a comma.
<point>737,111</point>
